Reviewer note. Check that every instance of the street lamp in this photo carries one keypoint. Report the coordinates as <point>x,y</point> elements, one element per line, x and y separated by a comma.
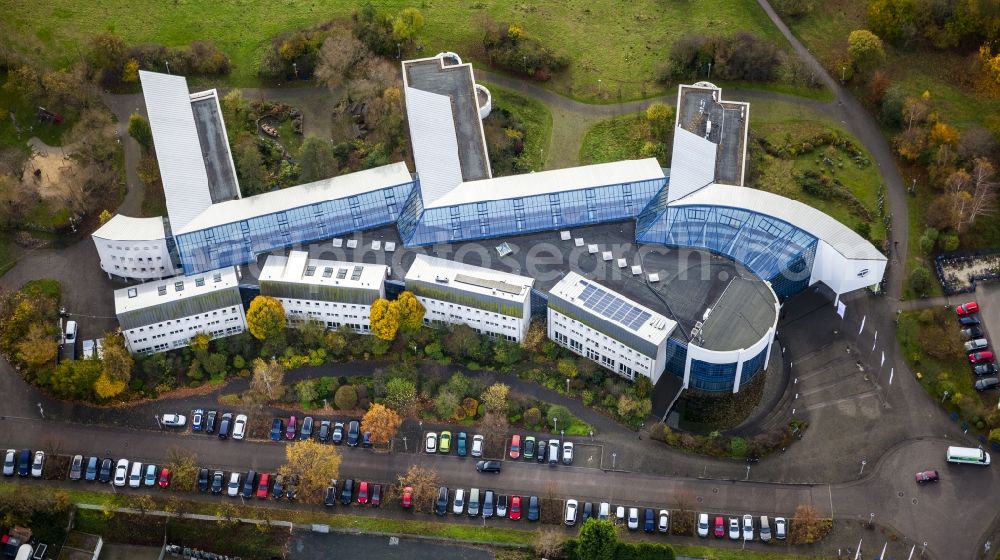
<point>871,519</point>
<point>747,477</point>
<point>167,62</point>
<point>295,68</point>
<point>157,418</point>
<point>945,397</point>
<point>567,385</point>
<point>405,448</point>
<point>863,463</point>
<point>41,410</point>
<point>613,457</point>
<point>555,423</point>
<point>398,54</point>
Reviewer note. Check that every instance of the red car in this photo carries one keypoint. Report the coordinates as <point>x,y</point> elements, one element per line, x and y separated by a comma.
<point>967,308</point>
<point>515,507</point>
<point>515,446</point>
<point>720,527</point>
<point>927,476</point>
<point>290,430</point>
<point>980,357</point>
<point>363,492</point>
<point>262,485</point>
<point>407,497</point>
<point>164,481</point>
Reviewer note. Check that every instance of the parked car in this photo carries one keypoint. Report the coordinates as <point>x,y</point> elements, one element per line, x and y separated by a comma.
<point>587,512</point>
<point>969,321</point>
<point>541,451</point>
<point>570,516</point>
<point>353,431</point>
<point>553,452</point>
<point>276,428</point>
<point>121,473</point>
<point>567,453</point>
<point>515,446</point>
<point>650,522</point>
<point>278,489</point>
<point>431,442</point>
<point>529,448</point>
<point>515,508</point>
<point>164,480</point>
<point>76,468</point>
<point>90,472</point>
<point>967,308</point>
<point>338,433</point>
<point>203,479</point>
<point>534,508</point>
<point>135,475</point>
<point>107,468</point>
<point>210,422</point>
<point>927,476</point>
<point>458,504</point>
<point>780,528</point>
<point>290,428</point>
<point>240,427</point>
<point>663,524</point>
<point>489,467</point>
<point>38,464</point>
<point>324,431</point>
<point>765,529</point>
<point>263,485</point>
<point>233,489</point>
<point>307,428</point>
<point>976,344</point>
<point>984,369</point>
<point>734,528</point>
<point>477,446</point>
<point>9,462</point>
<point>472,507</point>
<point>292,487</point>
<point>444,442</point>
<point>980,357</point>
<point>173,420</point>
<point>461,446</point>
<point>971,332</point>
<point>347,492</point>
<point>703,525</point>
<point>748,527</point>
<point>363,492</point>
<point>620,515</point>
<point>225,424</point>
<point>986,383</point>
<point>633,519</point>
<point>149,479</point>
<point>407,497</point>
<point>218,480</point>
<point>502,505</point>
<point>197,419</point>
<point>441,505</point>
<point>330,496</point>
<point>366,439</point>
<point>489,504</point>
<point>249,484</point>
<point>24,462</point>
<point>720,527</point>
<point>604,510</point>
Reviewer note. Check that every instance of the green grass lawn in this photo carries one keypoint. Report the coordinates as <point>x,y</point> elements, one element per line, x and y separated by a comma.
<point>613,140</point>
<point>618,43</point>
<point>24,115</point>
<point>713,553</point>
<point>537,121</point>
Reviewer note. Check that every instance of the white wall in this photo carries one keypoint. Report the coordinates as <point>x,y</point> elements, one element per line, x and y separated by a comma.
<point>585,341</point>
<point>842,274</point>
<point>330,313</point>
<point>177,333</point>
<point>497,325</point>
<point>142,260</point>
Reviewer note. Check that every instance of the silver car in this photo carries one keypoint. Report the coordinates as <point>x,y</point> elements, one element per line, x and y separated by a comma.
<point>977,344</point>
<point>748,527</point>
<point>38,464</point>
<point>8,462</point>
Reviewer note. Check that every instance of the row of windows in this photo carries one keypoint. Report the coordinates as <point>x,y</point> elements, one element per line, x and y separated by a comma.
<point>158,326</point>
<point>179,343</point>
<point>591,349</point>
<point>133,259</point>
<point>615,346</point>
<point>127,248</point>
<point>455,319</point>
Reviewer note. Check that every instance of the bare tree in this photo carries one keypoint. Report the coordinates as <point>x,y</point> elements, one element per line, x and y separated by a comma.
<point>957,185</point>
<point>338,56</point>
<point>984,190</point>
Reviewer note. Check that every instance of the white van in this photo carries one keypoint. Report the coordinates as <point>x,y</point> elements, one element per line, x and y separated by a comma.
<point>968,456</point>
<point>604,511</point>
<point>473,502</point>
<point>135,475</point>
<point>70,332</point>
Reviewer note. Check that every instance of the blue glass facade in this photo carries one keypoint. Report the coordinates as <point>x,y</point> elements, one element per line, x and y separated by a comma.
<point>753,366</point>
<point>772,249</point>
<point>239,242</point>
<point>676,357</point>
<point>544,212</point>
<point>714,378</point>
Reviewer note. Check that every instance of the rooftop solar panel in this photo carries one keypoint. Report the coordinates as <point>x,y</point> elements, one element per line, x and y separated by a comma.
<point>612,307</point>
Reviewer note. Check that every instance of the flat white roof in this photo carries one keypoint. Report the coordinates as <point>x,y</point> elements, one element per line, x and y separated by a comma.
<point>157,292</point>
<point>842,238</point>
<point>302,195</point>
<point>126,228</point>
<point>435,144</point>
<point>556,180</point>
<point>655,329</point>
<point>298,268</point>
<point>475,279</point>
<point>692,164</point>
<point>178,150</point>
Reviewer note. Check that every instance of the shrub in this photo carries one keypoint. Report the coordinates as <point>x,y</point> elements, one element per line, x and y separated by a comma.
<point>561,414</point>
<point>532,416</point>
<point>520,54</point>
<point>346,397</point>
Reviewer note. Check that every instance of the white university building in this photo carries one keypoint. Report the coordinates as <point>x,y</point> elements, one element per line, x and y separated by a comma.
<point>616,333</point>
<point>493,303</point>
<point>165,314</point>
<point>337,294</point>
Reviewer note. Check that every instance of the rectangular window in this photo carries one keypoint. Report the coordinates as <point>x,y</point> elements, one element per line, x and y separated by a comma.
<point>161,290</point>
<point>178,286</point>
<point>199,282</point>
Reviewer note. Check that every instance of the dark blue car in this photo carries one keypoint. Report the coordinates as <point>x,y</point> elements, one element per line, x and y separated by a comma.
<point>276,429</point>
